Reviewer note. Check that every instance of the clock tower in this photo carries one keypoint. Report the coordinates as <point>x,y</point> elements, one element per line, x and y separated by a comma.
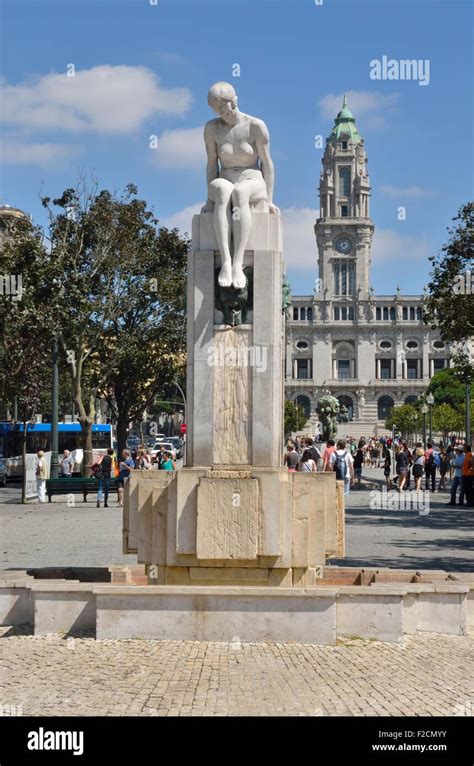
<point>344,229</point>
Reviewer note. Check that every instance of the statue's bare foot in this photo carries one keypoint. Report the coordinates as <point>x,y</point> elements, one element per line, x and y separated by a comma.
<point>225,275</point>
<point>238,277</point>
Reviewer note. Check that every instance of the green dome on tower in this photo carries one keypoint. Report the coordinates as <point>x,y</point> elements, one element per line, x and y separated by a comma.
<point>344,126</point>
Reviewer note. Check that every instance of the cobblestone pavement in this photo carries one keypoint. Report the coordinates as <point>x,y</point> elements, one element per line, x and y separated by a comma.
<point>423,676</point>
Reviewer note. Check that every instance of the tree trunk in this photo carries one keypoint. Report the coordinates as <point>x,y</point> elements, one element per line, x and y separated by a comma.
<point>122,425</point>
<point>86,437</point>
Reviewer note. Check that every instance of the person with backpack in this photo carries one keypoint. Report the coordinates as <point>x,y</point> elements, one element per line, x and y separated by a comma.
<point>306,463</point>
<point>342,462</point>
<point>314,452</point>
<point>430,467</point>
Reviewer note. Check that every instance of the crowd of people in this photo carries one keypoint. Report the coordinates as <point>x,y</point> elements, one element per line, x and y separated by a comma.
<point>400,463</point>
<point>105,468</point>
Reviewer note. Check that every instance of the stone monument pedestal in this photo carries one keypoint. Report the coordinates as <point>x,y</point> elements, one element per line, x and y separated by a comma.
<point>234,515</point>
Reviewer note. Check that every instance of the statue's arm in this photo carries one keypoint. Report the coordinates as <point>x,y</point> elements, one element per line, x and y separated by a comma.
<point>212,169</point>
<point>262,142</point>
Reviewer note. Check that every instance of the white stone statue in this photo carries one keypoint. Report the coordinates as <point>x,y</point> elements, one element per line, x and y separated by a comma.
<point>239,170</point>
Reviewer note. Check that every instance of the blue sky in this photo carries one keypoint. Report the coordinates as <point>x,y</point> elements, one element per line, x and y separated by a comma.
<point>143,69</point>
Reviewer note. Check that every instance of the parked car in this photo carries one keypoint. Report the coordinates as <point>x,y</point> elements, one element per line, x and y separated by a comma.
<point>178,445</point>
<point>157,447</point>
<point>3,472</point>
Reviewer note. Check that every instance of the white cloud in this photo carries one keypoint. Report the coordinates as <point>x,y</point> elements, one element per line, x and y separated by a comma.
<point>389,245</point>
<point>407,191</point>
<point>182,220</point>
<point>44,155</point>
<point>105,99</point>
<point>299,241</point>
<point>182,149</point>
<point>373,106</point>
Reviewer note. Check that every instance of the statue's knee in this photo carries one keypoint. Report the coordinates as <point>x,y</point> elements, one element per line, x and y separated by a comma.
<point>221,189</point>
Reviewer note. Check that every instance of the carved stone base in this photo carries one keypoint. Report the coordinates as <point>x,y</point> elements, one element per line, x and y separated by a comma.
<point>225,526</point>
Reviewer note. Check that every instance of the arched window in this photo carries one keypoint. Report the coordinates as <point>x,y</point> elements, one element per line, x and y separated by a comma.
<point>411,399</point>
<point>348,403</point>
<point>309,314</point>
<point>384,405</point>
<point>392,312</point>
<point>304,402</point>
<point>344,182</point>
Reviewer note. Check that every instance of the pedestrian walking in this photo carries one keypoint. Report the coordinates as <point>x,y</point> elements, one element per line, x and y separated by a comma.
<point>291,459</point>
<point>430,467</point>
<point>168,463</point>
<point>418,466</point>
<point>468,475</point>
<point>328,452</point>
<point>125,467</point>
<point>387,468</point>
<point>41,476</point>
<point>307,464</point>
<point>103,474</point>
<point>342,463</point>
<point>403,465</point>
<point>358,462</point>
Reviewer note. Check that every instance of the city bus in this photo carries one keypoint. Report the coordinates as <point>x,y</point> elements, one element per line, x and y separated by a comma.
<point>38,436</point>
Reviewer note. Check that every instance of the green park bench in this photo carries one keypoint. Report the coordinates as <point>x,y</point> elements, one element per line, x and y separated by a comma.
<point>84,484</point>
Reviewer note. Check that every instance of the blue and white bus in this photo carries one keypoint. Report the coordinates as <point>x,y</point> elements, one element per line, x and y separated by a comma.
<point>38,436</point>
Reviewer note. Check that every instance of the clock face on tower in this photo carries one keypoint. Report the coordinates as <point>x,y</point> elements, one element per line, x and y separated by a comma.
<point>344,245</point>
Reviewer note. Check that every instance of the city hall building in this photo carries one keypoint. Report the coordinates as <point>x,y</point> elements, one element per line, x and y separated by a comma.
<point>370,351</point>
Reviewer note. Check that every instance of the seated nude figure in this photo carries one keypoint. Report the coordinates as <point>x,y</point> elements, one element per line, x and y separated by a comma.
<point>239,170</point>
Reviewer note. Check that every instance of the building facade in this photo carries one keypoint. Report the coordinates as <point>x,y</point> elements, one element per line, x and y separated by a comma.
<point>370,351</point>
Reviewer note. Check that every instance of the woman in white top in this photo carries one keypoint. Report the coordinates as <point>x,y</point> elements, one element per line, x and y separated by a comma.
<point>307,463</point>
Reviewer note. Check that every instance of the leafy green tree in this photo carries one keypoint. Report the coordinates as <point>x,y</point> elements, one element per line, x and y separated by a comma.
<point>447,387</point>
<point>25,323</point>
<point>295,417</point>
<point>119,295</point>
<point>447,420</point>
<point>406,418</point>
<point>450,304</point>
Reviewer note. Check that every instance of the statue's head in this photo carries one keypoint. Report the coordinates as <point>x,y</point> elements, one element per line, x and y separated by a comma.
<point>222,98</point>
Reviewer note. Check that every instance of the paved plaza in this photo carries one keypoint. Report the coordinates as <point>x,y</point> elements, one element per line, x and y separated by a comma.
<point>57,535</point>
<point>423,676</point>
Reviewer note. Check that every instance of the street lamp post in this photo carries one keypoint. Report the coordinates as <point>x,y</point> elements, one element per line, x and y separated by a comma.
<point>430,402</point>
<point>424,410</point>
<point>54,411</point>
<point>468,413</point>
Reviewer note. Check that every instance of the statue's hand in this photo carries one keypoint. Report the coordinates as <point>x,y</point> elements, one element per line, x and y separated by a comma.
<point>273,208</point>
<point>208,207</point>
